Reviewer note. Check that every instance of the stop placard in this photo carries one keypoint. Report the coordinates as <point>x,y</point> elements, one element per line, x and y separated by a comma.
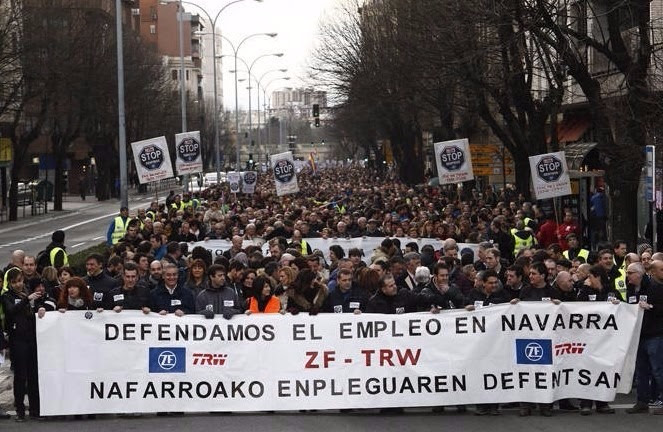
<point>151,157</point>
<point>549,168</point>
<point>284,170</point>
<point>189,149</point>
<point>250,177</point>
<point>452,158</point>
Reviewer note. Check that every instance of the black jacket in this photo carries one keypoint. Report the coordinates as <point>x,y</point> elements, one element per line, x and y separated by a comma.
<point>497,297</point>
<point>135,299</point>
<point>587,293</point>
<point>452,299</point>
<point>529,293</point>
<point>404,301</point>
<point>355,298</point>
<point>652,321</point>
<point>182,299</point>
<point>20,315</point>
<point>100,285</point>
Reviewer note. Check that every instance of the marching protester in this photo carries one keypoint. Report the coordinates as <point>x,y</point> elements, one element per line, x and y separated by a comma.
<point>20,303</point>
<point>365,263</point>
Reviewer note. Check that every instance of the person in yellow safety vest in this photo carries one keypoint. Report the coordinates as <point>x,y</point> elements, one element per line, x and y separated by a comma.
<point>619,259</point>
<point>118,228</point>
<point>522,238</point>
<point>187,201</point>
<point>574,251</point>
<point>299,243</point>
<point>178,204</point>
<point>57,256</point>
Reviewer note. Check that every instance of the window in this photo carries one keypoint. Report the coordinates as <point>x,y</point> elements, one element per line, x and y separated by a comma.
<point>173,74</point>
<point>153,29</point>
<point>187,75</point>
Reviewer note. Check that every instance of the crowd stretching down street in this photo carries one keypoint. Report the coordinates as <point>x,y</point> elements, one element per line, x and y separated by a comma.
<point>523,253</point>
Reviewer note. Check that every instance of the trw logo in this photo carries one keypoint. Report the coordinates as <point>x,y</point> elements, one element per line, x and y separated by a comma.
<point>570,348</point>
<point>205,359</point>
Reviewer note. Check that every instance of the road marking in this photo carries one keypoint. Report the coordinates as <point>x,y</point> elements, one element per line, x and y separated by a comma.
<point>37,237</point>
<point>99,238</point>
<point>77,245</point>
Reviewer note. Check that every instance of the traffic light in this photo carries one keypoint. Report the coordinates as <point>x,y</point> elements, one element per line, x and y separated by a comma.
<point>316,110</point>
<point>317,122</point>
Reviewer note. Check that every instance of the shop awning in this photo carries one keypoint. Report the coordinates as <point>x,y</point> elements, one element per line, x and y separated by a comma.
<point>575,153</point>
<point>571,129</point>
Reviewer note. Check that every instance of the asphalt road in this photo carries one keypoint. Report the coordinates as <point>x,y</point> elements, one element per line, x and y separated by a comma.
<point>413,420</point>
<point>85,225</point>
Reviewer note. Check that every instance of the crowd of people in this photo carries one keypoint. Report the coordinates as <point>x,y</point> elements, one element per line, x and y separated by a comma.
<point>522,254</point>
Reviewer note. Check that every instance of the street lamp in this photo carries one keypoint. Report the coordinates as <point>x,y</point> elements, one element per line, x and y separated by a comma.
<point>264,98</point>
<point>251,68</point>
<point>121,123</point>
<point>217,145</point>
<point>259,80</point>
<point>235,51</point>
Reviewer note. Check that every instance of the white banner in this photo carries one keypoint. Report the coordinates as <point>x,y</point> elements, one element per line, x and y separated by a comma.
<point>550,175</point>
<point>234,179</point>
<point>366,244</point>
<point>285,177</point>
<point>189,151</point>
<point>249,180</point>
<point>454,161</point>
<point>152,160</point>
<point>127,362</point>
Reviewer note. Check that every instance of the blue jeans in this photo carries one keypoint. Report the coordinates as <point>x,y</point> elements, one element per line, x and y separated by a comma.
<point>649,367</point>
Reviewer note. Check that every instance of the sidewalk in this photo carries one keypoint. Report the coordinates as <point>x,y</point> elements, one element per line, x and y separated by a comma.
<point>70,204</point>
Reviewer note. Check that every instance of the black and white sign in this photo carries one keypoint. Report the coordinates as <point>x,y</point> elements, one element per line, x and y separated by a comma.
<point>152,160</point>
<point>550,175</point>
<point>234,179</point>
<point>189,153</point>
<point>285,177</point>
<point>454,162</point>
<point>249,179</point>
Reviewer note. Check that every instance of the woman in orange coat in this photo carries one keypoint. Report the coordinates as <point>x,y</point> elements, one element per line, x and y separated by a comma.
<point>263,300</point>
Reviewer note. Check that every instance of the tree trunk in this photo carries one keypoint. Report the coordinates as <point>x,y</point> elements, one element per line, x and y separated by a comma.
<point>59,182</point>
<point>523,175</point>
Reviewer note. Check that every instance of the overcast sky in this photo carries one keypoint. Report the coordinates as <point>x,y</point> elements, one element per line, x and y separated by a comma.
<point>297,25</point>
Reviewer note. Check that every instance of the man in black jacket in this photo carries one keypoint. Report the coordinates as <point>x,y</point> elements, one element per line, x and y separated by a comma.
<point>347,297</point>
<point>130,295</point>
<point>99,282</point>
<point>443,294</point>
<point>391,300</point>
<point>649,362</point>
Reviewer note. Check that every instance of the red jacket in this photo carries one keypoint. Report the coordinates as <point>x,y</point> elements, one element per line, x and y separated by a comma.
<point>547,234</point>
<point>564,230</point>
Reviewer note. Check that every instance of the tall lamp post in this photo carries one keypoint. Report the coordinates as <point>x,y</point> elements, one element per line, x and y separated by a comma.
<point>121,124</point>
<point>259,80</point>
<point>235,49</point>
<point>253,63</point>
<point>264,98</point>
<point>217,145</point>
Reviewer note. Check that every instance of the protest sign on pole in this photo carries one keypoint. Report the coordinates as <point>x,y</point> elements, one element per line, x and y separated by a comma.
<point>234,179</point>
<point>285,177</point>
<point>538,352</point>
<point>454,162</point>
<point>152,160</point>
<point>249,179</point>
<point>550,175</point>
<point>189,154</point>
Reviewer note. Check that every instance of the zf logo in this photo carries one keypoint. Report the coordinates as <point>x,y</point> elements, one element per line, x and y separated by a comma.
<point>209,359</point>
<point>570,348</point>
<point>167,360</point>
<point>534,351</point>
